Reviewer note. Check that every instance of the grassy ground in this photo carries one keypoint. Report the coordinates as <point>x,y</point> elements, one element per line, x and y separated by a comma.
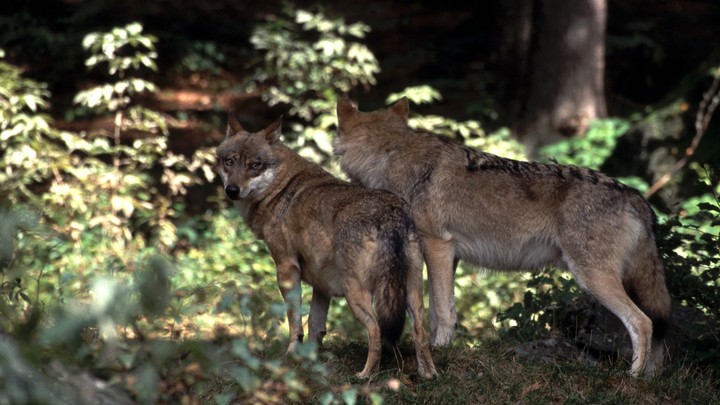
<point>490,373</point>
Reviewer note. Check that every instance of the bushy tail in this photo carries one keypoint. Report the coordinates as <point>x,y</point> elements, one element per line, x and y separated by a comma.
<point>391,297</point>
<point>647,287</point>
<point>646,282</point>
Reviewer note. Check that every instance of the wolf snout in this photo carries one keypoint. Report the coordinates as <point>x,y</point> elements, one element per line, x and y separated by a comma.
<point>232,191</point>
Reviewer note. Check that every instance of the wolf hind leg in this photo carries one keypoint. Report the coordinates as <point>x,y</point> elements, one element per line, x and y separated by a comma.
<point>318,316</point>
<point>608,289</point>
<point>359,299</point>
<point>426,367</point>
<point>648,289</point>
<point>440,259</point>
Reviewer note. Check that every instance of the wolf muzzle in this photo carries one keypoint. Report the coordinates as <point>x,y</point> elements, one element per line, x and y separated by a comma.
<point>232,191</point>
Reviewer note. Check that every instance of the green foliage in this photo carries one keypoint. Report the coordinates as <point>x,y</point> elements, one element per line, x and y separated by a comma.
<point>423,94</point>
<point>592,149</point>
<point>123,51</point>
<point>691,252</point>
<point>30,149</point>
<point>108,203</point>
<point>131,193</point>
<point>107,47</point>
<point>479,295</point>
<point>130,325</point>
<point>308,54</point>
<point>203,57</point>
<point>548,293</point>
<point>309,60</point>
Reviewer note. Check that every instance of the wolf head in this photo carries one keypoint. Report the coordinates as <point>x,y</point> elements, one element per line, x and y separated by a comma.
<point>247,162</point>
<point>369,143</point>
<point>354,127</point>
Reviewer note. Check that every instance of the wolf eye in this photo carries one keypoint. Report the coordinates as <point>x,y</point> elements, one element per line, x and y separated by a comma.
<point>228,162</point>
<point>255,166</point>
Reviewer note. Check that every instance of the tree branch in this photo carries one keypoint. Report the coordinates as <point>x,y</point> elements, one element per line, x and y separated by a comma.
<point>710,101</point>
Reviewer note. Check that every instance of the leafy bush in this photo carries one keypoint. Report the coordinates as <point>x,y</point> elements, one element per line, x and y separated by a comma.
<point>691,252</point>
<point>148,336</point>
<point>132,193</point>
<point>592,149</point>
<point>100,206</point>
<point>309,60</point>
<point>30,148</point>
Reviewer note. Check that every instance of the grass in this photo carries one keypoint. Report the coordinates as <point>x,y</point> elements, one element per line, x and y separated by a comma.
<point>488,372</point>
<point>472,371</point>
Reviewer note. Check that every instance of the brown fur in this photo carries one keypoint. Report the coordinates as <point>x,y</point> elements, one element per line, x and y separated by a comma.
<point>342,239</point>
<point>504,214</point>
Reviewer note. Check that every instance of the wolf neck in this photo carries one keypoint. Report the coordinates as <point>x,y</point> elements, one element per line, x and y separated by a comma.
<point>272,205</point>
<point>388,160</point>
<point>367,163</point>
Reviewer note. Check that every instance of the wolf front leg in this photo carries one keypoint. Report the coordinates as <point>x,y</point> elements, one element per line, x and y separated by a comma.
<point>440,259</point>
<point>288,277</point>
<point>318,317</point>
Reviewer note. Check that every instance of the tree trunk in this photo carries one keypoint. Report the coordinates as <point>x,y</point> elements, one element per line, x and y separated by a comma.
<point>561,88</point>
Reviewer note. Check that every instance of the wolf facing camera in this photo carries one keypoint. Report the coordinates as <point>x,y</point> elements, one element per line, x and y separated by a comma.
<point>342,239</point>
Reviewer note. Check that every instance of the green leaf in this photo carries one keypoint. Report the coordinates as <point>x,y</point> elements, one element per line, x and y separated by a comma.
<point>350,396</point>
<point>326,398</point>
<point>708,207</point>
<point>248,381</point>
<point>225,398</point>
<point>134,28</point>
<point>89,40</point>
<point>302,16</point>
<point>422,94</point>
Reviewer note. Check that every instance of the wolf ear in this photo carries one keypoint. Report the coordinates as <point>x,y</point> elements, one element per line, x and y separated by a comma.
<point>346,110</point>
<point>233,126</point>
<point>401,108</point>
<point>273,131</point>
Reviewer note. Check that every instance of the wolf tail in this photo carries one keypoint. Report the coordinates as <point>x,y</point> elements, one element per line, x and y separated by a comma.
<point>391,299</point>
<point>647,287</point>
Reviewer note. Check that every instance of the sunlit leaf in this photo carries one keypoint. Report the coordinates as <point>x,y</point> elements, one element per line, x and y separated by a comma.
<point>247,380</point>
<point>350,396</point>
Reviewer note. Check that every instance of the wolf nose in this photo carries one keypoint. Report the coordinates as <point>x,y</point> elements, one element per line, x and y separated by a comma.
<point>232,191</point>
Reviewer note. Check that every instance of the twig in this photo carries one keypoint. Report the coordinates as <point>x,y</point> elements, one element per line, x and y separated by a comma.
<point>710,101</point>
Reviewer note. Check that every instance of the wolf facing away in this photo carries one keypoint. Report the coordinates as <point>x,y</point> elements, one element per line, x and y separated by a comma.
<point>503,214</point>
<point>342,239</point>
